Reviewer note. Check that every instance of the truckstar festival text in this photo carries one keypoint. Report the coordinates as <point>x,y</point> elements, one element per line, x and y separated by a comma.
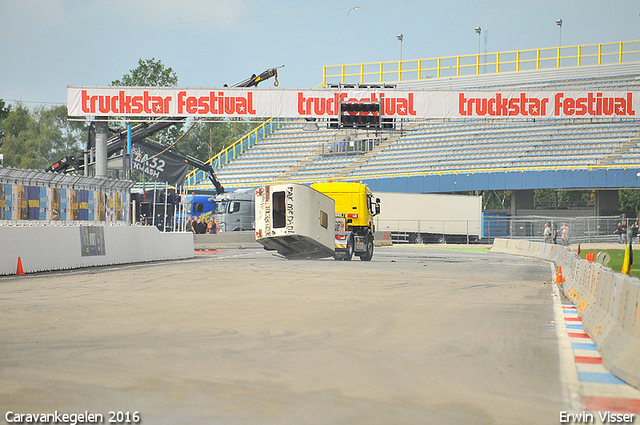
<point>287,103</point>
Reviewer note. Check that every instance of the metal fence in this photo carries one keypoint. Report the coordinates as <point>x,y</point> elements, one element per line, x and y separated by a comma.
<point>483,63</point>
<point>346,146</point>
<point>581,229</point>
<point>38,198</point>
<point>234,150</point>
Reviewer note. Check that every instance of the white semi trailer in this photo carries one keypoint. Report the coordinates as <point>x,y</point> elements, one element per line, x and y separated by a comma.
<point>429,218</point>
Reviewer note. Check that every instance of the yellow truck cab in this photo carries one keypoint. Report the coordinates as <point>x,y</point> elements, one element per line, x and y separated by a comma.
<point>355,208</point>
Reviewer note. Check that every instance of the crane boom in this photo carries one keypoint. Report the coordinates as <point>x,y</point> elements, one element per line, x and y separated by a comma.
<point>140,132</point>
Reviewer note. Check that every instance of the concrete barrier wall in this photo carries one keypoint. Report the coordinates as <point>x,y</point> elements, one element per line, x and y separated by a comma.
<point>607,301</point>
<point>46,248</point>
<point>244,239</point>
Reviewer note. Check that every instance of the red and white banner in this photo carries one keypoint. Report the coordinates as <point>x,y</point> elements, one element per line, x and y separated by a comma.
<point>323,103</point>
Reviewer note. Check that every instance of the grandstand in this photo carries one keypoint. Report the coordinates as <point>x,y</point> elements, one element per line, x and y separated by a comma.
<point>481,144</point>
<point>271,157</point>
<point>452,146</point>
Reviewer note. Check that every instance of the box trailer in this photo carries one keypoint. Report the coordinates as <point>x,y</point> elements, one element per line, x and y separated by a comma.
<point>429,218</point>
<point>295,220</point>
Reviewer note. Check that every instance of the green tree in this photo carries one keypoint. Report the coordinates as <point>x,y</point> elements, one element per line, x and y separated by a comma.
<point>546,198</point>
<point>149,73</point>
<point>496,199</point>
<point>492,199</point>
<point>4,113</point>
<point>206,139</point>
<point>629,200</point>
<point>202,141</point>
<point>70,135</point>
<point>36,139</point>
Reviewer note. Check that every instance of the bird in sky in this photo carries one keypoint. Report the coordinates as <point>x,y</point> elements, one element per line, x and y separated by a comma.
<point>354,9</point>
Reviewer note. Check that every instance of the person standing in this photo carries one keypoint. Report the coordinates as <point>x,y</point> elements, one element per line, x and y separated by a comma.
<point>619,232</point>
<point>195,225</point>
<point>565,235</point>
<point>202,227</point>
<point>547,233</point>
<point>212,227</point>
<point>189,225</point>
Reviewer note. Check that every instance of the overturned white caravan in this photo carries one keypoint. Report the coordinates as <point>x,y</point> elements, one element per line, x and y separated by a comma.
<point>295,220</point>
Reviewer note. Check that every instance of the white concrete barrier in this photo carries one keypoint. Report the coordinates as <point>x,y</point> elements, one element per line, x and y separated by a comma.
<point>499,245</point>
<point>244,239</point>
<point>608,303</point>
<point>46,248</point>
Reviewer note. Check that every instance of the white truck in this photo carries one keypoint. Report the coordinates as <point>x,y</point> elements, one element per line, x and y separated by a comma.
<point>429,218</point>
<point>234,211</point>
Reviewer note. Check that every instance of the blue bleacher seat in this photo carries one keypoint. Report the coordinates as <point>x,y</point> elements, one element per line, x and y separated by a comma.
<point>452,144</point>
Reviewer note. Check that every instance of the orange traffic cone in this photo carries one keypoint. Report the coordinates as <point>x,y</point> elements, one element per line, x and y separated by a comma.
<point>19,271</point>
<point>559,278</point>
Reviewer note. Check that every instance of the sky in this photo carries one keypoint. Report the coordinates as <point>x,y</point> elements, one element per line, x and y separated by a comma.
<point>46,45</point>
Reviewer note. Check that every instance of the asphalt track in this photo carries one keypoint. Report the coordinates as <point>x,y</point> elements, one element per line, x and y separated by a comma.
<point>239,336</point>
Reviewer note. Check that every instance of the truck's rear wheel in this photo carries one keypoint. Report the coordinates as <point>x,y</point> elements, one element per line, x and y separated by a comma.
<point>368,255</point>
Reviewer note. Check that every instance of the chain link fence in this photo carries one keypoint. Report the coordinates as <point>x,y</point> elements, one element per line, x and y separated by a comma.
<point>581,229</point>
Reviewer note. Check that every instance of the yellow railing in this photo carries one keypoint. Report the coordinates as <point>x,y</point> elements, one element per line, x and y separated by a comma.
<point>233,150</point>
<point>483,63</point>
<point>438,172</point>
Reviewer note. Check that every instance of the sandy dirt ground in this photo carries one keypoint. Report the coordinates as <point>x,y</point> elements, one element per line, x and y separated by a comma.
<point>240,336</point>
